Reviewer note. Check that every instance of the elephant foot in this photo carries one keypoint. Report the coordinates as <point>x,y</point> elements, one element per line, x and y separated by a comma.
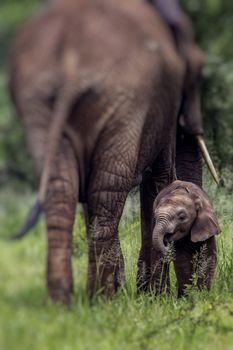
<point>59,275</point>
<point>153,280</point>
<point>158,289</point>
<point>160,280</point>
<point>61,291</point>
<point>104,279</point>
<point>143,277</point>
<point>106,263</point>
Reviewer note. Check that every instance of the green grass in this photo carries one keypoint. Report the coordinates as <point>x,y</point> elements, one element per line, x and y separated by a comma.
<point>28,320</point>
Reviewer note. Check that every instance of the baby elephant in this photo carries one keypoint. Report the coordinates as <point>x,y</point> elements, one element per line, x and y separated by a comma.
<point>183,215</point>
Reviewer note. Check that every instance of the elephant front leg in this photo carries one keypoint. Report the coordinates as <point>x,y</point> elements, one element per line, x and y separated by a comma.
<point>60,214</point>
<point>147,196</point>
<point>153,270</point>
<point>159,279</point>
<point>184,269</point>
<point>153,273</point>
<point>206,264</point>
<point>195,263</point>
<point>186,263</point>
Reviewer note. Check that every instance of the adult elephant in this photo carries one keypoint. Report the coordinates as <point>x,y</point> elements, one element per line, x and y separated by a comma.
<point>99,95</point>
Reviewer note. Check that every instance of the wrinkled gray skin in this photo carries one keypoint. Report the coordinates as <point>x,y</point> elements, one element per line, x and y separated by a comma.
<point>183,215</point>
<point>113,88</point>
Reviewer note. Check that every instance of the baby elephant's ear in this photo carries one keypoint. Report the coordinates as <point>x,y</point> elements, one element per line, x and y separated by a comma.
<point>206,223</point>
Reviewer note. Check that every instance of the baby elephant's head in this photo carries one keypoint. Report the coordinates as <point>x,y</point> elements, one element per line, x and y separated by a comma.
<point>180,209</point>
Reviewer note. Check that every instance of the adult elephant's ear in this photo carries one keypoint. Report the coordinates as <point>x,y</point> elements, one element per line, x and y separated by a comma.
<point>206,223</point>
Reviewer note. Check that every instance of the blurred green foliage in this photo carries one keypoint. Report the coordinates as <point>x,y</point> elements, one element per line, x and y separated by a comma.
<point>15,162</point>
<point>213,23</point>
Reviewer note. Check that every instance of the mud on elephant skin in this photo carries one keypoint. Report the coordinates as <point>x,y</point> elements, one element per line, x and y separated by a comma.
<point>183,215</point>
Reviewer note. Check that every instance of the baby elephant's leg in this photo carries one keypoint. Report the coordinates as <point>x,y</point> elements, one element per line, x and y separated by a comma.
<point>206,264</point>
<point>193,258</point>
<point>183,266</point>
<point>112,175</point>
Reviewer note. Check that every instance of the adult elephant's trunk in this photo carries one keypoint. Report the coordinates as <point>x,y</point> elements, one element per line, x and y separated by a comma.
<point>189,149</point>
<point>188,158</point>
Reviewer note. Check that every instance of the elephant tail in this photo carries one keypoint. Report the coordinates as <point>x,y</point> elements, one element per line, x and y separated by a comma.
<point>31,220</point>
<point>72,92</point>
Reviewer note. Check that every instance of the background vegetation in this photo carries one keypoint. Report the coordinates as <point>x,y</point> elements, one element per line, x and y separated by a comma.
<point>129,321</point>
<point>213,23</point>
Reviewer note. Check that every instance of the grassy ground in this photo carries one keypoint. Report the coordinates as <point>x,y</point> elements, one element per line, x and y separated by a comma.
<point>128,321</point>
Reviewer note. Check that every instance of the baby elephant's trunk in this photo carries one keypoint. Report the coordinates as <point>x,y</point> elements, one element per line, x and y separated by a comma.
<point>159,239</point>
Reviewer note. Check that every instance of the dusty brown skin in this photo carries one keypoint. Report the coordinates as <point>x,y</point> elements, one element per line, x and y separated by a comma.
<point>183,215</point>
<point>96,91</point>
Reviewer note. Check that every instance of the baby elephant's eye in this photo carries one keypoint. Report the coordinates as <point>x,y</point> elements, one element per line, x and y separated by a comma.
<point>182,216</point>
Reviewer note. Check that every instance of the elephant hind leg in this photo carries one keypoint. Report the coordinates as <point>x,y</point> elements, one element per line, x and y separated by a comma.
<point>60,203</point>
<point>106,264</point>
<point>60,214</point>
<point>112,176</point>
